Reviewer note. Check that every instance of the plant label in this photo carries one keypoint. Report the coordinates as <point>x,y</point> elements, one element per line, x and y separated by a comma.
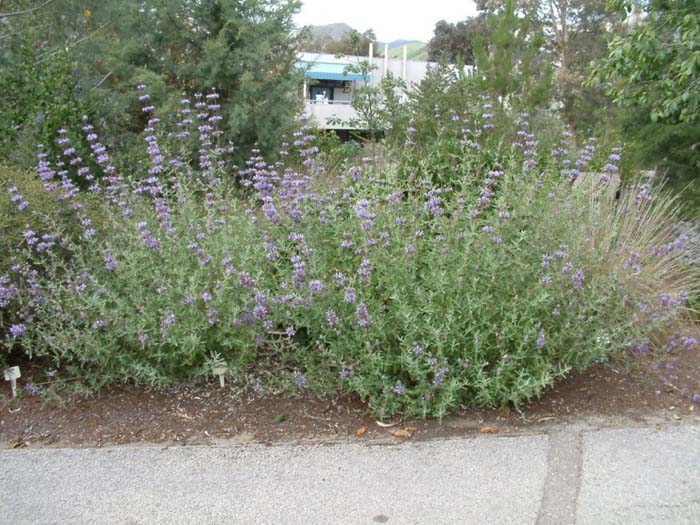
<point>12,374</point>
<point>220,371</point>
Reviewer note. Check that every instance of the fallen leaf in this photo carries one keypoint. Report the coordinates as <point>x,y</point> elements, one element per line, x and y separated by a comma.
<point>676,417</point>
<point>361,431</point>
<point>406,432</point>
<point>280,418</point>
<point>488,430</point>
<point>583,389</point>
<point>387,425</point>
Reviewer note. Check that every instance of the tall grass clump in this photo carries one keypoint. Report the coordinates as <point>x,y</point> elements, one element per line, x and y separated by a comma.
<point>419,289</point>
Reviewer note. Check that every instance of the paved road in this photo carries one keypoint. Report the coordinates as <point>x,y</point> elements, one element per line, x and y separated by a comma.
<point>607,476</point>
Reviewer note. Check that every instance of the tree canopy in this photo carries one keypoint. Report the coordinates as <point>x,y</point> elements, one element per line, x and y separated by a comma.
<point>98,51</point>
<point>656,64</point>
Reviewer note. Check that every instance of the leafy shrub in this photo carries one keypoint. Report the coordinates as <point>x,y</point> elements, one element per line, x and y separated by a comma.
<point>468,278</point>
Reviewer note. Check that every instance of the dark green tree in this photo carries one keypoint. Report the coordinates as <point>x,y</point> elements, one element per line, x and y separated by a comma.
<point>656,63</point>
<point>246,49</point>
<point>652,72</point>
<point>513,66</point>
<point>576,33</point>
<point>454,43</point>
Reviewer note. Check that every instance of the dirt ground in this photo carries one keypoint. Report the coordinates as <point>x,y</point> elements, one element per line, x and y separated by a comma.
<point>644,391</point>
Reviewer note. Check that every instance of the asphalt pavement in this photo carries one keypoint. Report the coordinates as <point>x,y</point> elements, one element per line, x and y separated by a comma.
<point>627,475</point>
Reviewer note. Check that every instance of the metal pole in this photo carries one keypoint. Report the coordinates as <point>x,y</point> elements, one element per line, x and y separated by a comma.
<point>405,57</point>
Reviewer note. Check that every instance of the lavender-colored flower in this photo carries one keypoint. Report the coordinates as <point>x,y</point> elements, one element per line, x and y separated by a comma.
<point>346,372</point>
<point>540,342</point>
<point>143,338</point>
<point>100,323</point>
<point>51,372</point>
<point>31,388</point>
<point>363,318</point>
<point>642,348</point>
<point>315,286</point>
<point>410,249</point>
<point>350,295</point>
<point>365,271</point>
<point>299,378</point>
<point>17,330</point>
<point>695,398</point>
<point>417,349</point>
<point>439,377</point>
<point>577,279</point>
<point>331,317</point>
<point>109,261</point>
<point>213,316</point>
<point>399,388</point>
<point>245,280</point>
<point>167,321</point>
<point>260,312</point>
<point>290,331</point>
<point>206,297</point>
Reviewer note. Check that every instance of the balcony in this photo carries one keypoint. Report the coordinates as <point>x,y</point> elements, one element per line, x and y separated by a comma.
<point>331,114</point>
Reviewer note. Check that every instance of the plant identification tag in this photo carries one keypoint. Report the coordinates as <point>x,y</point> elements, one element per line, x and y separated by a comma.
<point>220,371</point>
<point>12,374</point>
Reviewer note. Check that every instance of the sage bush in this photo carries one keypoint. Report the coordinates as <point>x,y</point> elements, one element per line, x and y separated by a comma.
<point>421,283</point>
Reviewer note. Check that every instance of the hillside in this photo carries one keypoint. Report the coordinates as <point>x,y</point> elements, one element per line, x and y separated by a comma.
<point>322,38</point>
<point>400,43</point>
<point>330,31</point>
<point>416,51</point>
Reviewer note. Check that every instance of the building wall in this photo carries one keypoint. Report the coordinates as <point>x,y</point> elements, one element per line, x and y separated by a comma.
<point>415,72</point>
<point>339,95</point>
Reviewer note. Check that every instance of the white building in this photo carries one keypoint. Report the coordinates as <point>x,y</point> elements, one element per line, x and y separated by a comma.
<point>328,86</point>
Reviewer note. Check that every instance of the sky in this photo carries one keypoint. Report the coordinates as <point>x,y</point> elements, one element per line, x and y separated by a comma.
<point>390,19</point>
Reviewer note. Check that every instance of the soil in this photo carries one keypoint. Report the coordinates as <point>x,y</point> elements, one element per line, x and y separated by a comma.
<point>643,391</point>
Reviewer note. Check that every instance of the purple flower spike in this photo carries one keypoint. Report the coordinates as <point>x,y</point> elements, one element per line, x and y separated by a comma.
<point>540,339</point>
<point>17,330</point>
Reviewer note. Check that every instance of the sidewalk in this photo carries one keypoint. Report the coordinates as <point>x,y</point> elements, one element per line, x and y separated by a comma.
<point>631,475</point>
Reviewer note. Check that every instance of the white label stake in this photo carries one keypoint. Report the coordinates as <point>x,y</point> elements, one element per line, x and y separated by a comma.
<point>12,374</point>
<point>220,371</point>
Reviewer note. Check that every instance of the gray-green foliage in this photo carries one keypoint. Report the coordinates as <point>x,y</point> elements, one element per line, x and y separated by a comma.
<point>416,292</point>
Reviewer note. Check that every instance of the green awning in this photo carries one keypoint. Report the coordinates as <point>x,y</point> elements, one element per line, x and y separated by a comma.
<point>329,71</point>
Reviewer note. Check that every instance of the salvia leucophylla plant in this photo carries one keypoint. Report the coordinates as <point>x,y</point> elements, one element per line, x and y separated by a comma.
<point>418,297</point>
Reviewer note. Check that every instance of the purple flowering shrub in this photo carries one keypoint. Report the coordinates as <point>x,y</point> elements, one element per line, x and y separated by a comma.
<point>417,296</point>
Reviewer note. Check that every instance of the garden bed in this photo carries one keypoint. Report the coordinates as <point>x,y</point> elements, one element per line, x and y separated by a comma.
<point>643,391</point>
